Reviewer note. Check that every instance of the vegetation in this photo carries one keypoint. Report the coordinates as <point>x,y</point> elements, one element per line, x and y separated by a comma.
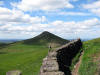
<point>2,45</point>
<point>90,61</point>
<point>22,57</point>
<point>27,55</point>
<point>46,38</point>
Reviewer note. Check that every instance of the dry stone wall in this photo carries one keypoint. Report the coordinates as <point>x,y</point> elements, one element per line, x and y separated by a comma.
<point>57,61</point>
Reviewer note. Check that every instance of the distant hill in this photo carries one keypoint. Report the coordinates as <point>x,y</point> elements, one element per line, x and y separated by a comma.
<point>9,40</point>
<point>46,38</point>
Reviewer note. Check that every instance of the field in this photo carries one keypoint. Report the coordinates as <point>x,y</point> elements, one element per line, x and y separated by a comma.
<point>23,57</point>
<point>91,59</point>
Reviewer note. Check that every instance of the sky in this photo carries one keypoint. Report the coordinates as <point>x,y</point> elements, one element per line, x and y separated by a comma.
<point>70,19</point>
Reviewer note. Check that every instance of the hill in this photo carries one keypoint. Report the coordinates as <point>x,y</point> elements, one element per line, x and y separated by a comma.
<point>91,59</point>
<point>27,55</point>
<point>46,38</point>
<point>9,40</point>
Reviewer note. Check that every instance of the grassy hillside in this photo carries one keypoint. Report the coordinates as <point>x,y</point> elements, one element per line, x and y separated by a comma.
<point>27,55</point>
<point>22,57</point>
<point>3,45</point>
<point>91,59</point>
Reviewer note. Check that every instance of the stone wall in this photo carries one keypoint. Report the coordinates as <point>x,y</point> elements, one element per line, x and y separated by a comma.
<point>57,61</point>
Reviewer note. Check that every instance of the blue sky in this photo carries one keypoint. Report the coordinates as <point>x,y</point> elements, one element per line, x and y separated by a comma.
<point>22,19</point>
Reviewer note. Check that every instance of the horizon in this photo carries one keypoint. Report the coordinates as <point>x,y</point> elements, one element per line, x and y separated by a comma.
<point>72,19</point>
<point>18,39</point>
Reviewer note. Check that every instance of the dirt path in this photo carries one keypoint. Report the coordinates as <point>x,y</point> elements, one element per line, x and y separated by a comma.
<point>76,67</point>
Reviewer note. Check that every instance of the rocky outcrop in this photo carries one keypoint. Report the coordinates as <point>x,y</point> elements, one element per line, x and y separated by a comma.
<point>57,61</point>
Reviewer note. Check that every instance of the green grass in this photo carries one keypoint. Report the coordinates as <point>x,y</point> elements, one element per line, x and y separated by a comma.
<point>91,51</point>
<point>27,55</point>
<point>26,58</point>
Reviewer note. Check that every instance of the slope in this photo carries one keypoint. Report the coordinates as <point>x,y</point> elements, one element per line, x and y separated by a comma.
<point>91,59</point>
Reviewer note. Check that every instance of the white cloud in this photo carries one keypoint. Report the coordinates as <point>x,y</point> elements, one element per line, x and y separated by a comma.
<point>74,0</point>
<point>4,11</point>
<point>74,13</point>
<point>74,26</point>
<point>93,7</point>
<point>16,21</point>
<point>46,5</point>
<point>59,27</point>
<point>17,16</point>
<point>96,11</point>
<point>43,19</point>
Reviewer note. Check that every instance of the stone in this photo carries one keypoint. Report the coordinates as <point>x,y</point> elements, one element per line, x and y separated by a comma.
<point>49,66</point>
<point>52,73</point>
<point>14,72</point>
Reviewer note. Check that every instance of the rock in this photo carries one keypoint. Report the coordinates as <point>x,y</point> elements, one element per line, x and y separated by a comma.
<point>49,66</point>
<point>52,73</point>
<point>14,72</point>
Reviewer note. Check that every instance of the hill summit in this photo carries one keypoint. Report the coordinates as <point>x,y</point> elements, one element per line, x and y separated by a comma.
<point>46,38</point>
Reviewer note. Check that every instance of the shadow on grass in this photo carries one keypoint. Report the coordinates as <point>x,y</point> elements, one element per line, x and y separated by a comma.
<point>4,45</point>
<point>3,52</point>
